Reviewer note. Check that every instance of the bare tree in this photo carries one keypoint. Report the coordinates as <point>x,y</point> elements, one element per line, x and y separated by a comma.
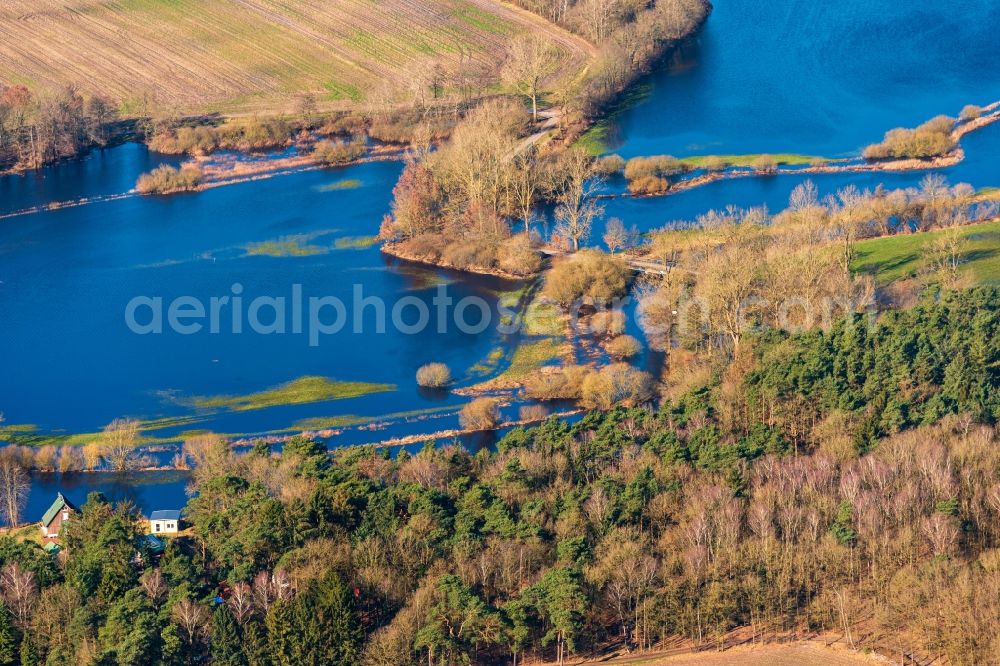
<point>529,60</point>
<point>617,237</point>
<point>577,207</point>
<point>241,602</point>
<point>19,591</point>
<point>121,438</point>
<point>944,253</point>
<point>14,488</point>
<point>153,584</point>
<point>192,618</point>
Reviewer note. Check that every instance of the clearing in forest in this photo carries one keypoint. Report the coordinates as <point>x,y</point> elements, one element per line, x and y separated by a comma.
<point>253,55</point>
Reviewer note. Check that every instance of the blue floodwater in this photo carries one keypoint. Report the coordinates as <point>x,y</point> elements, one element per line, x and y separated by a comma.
<point>150,491</point>
<point>782,76</point>
<point>66,277</point>
<point>819,78</point>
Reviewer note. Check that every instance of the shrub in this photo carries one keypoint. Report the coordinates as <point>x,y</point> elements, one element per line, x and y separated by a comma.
<point>433,375</point>
<point>195,140</point>
<point>405,127</point>
<point>589,274</point>
<point>617,384</point>
<point>518,257</point>
<point>165,179</point>
<point>480,414</point>
<point>338,152</point>
<point>765,164</point>
<point>609,165</point>
<point>347,124</point>
<point>254,134</point>
<point>970,112</point>
<point>622,347</point>
<point>657,165</point>
<point>555,383</point>
<point>931,139</point>
<point>425,247</point>
<point>714,163</point>
<point>649,185</point>
<point>470,253</point>
<point>533,413</point>
<point>607,323</point>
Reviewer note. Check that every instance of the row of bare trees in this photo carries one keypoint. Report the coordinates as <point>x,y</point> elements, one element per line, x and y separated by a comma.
<point>38,127</point>
<point>736,269</point>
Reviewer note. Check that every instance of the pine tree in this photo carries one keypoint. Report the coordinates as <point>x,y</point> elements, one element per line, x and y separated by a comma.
<point>29,653</point>
<point>8,637</point>
<point>226,645</point>
<point>340,634</point>
<point>281,633</point>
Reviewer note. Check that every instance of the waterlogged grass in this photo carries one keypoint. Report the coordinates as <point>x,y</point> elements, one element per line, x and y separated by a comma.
<point>510,299</point>
<point>595,140</point>
<point>328,422</point>
<point>355,242</point>
<point>345,184</point>
<point>543,319</point>
<point>787,159</point>
<point>300,391</point>
<point>895,257</point>
<point>169,422</point>
<point>348,420</point>
<point>531,355</point>
<point>287,246</point>
<point>488,365</point>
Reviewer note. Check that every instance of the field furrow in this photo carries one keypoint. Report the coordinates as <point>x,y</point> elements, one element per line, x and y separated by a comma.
<point>253,55</point>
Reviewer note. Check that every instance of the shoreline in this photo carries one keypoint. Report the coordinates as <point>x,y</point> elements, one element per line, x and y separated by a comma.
<point>241,172</point>
<point>904,165</point>
<point>392,250</point>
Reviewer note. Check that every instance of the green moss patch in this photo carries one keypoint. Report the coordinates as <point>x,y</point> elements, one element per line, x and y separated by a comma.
<point>355,242</point>
<point>345,184</point>
<point>300,391</point>
<point>788,159</point>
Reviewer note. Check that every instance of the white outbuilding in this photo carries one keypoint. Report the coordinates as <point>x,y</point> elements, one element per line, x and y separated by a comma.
<point>164,522</point>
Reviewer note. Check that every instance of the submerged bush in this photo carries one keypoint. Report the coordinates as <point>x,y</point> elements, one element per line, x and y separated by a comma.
<point>518,257</point>
<point>607,323</point>
<point>971,112</point>
<point>338,152</point>
<point>659,166</point>
<point>765,164</point>
<point>165,179</point>
<point>714,163</point>
<point>533,413</point>
<point>254,134</point>
<point>589,274</point>
<point>555,384</point>
<point>194,140</point>
<point>649,185</point>
<point>433,375</point>
<point>609,165</point>
<point>480,414</point>
<point>623,346</point>
<point>932,139</point>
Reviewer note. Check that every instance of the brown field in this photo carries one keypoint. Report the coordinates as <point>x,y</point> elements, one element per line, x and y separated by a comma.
<point>254,55</point>
<point>804,653</point>
<point>796,654</point>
